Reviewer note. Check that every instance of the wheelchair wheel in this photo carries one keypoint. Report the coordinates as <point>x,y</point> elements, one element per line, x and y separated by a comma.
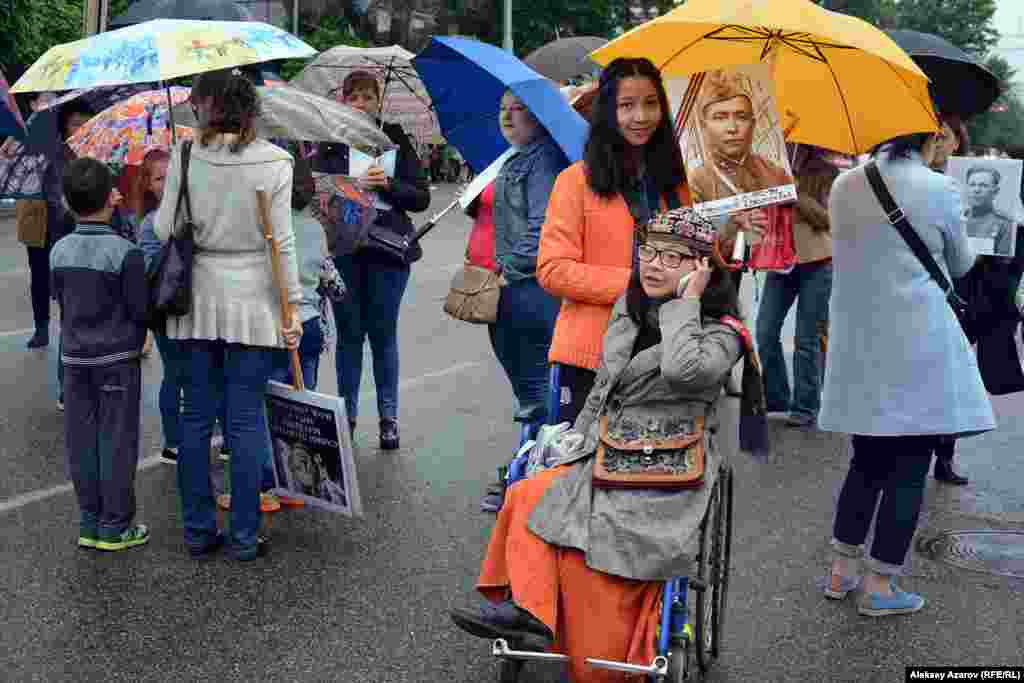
<point>510,670</point>
<point>713,558</point>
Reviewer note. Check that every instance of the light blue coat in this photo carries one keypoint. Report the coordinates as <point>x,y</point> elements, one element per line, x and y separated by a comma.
<point>898,362</point>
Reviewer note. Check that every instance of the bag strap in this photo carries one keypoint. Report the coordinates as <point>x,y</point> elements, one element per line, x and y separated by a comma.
<point>183,195</point>
<point>898,219</point>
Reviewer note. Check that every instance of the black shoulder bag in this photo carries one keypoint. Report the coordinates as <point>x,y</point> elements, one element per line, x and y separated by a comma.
<point>170,278</point>
<point>899,221</point>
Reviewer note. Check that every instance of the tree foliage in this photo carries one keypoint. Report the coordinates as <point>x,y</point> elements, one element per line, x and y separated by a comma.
<point>538,22</point>
<point>326,32</point>
<point>30,28</point>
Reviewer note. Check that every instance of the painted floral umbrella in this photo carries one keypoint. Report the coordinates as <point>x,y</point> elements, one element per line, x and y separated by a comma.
<point>159,50</point>
<point>124,132</point>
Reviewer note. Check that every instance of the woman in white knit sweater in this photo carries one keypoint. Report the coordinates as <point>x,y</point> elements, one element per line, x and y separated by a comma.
<point>230,336</point>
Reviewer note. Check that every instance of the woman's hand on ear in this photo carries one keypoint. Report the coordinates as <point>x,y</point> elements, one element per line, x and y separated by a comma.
<point>699,278</point>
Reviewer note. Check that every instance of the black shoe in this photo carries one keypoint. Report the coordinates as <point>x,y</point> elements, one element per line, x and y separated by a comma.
<point>504,620</point>
<point>352,429</point>
<point>169,456</point>
<point>389,434</point>
<point>203,551</point>
<point>262,550</point>
<point>39,340</point>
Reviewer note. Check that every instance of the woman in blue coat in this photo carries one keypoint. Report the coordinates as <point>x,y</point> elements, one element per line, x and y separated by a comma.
<point>900,375</point>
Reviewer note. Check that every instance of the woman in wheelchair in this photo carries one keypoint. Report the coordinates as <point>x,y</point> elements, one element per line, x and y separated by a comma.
<point>580,551</point>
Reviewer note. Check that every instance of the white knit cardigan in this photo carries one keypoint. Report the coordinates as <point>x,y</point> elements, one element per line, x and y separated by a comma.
<point>233,293</point>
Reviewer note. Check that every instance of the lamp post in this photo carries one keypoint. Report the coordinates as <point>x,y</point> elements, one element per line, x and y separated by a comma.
<point>508,27</point>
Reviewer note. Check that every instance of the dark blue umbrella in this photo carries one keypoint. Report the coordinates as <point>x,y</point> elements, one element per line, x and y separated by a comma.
<point>466,80</point>
<point>10,118</point>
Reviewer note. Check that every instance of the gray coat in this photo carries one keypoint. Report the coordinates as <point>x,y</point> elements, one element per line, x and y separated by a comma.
<point>898,361</point>
<point>643,534</point>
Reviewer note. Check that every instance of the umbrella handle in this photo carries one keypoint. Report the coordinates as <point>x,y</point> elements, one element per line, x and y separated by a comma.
<point>275,263</point>
<point>432,223</point>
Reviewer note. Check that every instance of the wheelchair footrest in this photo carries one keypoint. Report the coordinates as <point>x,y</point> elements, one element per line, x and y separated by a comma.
<point>500,648</point>
<point>659,667</point>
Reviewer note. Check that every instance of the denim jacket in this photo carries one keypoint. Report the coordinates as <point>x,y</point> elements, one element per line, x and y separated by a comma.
<point>521,194</point>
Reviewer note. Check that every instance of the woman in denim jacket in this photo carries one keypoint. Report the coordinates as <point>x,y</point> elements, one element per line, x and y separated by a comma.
<point>521,336</point>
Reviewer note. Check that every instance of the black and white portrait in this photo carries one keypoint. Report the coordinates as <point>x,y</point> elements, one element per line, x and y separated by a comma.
<point>992,205</point>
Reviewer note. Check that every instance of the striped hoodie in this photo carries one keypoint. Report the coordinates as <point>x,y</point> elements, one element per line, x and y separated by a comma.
<point>99,280</point>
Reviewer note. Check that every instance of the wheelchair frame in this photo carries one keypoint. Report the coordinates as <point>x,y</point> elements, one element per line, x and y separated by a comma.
<point>676,636</point>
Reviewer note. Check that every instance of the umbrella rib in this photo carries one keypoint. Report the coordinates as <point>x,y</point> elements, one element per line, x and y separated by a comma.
<point>713,35</point>
<point>842,97</point>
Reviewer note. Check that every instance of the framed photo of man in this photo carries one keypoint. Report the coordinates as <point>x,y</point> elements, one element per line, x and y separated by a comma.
<point>311,449</point>
<point>732,140</point>
<point>992,203</point>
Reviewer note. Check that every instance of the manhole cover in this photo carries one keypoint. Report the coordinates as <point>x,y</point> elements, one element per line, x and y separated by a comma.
<point>993,552</point>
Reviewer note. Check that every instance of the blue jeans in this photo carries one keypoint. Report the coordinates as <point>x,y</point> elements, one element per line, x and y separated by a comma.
<point>371,310</point>
<point>309,356</point>
<point>895,468</point>
<point>521,339</point>
<point>175,371</point>
<point>242,372</point>
<point>811,285</point>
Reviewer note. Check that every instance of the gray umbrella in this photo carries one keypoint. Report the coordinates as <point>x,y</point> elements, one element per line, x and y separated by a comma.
<point>209,10</point>
<point>295,114</point>
<point>566,59</point>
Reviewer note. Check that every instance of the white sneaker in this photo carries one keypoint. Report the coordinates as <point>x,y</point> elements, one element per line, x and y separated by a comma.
<point>217,441</point>
<point>60,406</point>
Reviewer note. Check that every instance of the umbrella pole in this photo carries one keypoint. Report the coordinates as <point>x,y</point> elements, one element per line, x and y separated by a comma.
<point>432,223</point>
<point>275,263</point>
<point>170,116</point>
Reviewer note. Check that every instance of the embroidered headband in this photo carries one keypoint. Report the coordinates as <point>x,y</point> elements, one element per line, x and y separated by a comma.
<point>685,225</point>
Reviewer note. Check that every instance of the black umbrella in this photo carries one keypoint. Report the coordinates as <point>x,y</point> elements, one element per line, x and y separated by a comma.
<point>960,83</point>
<point>209,10</point>
<point>565,59</point>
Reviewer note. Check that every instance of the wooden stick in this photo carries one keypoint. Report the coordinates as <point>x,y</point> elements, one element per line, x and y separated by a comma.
<point>275,261</point>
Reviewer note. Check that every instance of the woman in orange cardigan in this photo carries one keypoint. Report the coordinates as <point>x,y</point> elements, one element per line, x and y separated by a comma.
<point>631,169</point>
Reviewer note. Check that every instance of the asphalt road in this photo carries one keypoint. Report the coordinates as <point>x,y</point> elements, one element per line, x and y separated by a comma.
<point>366,599</point>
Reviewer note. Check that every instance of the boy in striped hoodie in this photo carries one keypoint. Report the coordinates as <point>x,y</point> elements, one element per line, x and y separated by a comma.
<point>99,279</point>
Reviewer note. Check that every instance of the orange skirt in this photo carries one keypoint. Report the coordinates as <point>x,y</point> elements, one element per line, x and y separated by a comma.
<point>592,614</point>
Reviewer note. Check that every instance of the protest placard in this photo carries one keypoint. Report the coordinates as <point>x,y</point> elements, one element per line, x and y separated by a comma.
<point>312,451</point>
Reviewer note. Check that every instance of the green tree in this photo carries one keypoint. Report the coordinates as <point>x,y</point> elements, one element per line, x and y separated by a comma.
<point>538,22</point>
<point>965,23</point>
<point>30,28</point>
<point>1003,125</point>
<point>328,31</point>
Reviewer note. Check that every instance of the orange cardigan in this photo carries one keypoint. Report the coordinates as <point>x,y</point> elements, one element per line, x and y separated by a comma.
<point>585,258</point>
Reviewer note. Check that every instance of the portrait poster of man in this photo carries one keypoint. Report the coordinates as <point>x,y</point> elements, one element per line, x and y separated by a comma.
<point>992,204</point>
<point>733,142</point>
<point>312,451</point>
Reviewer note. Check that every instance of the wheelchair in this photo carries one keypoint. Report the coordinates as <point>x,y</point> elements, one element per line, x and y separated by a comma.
<point>679,638</point>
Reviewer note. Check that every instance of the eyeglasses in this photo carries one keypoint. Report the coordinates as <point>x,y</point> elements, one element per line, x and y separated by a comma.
<point>670,258</point>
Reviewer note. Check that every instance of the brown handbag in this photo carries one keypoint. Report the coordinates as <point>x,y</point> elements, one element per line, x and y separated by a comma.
<point>474,295</point>
<point>665,463</point>
<point>31,216</point>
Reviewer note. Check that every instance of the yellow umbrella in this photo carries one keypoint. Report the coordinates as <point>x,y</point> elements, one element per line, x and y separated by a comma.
<point>843,84</point>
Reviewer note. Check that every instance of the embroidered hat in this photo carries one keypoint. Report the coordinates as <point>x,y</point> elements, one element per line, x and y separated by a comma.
<point>685,225</point>
<point>720,86</point>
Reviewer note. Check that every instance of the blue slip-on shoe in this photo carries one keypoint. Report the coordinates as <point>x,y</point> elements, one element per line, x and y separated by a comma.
<point>900,602</point>
<point>846,585</point>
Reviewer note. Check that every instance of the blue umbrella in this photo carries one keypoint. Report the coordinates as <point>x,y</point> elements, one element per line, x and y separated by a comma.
<point>466,79</point>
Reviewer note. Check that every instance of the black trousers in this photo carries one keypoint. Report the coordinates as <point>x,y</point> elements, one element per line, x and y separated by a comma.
<point>39,275</point>
<point>893,469</point>
<point>579,382</point>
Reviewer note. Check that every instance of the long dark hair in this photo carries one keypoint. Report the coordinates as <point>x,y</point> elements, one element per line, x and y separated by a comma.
<point>606,156</point>
<point>720,298</point>
<point>236,106</point>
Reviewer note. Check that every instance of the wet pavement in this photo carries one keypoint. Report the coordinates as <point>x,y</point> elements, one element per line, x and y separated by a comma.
<point>366,600</point>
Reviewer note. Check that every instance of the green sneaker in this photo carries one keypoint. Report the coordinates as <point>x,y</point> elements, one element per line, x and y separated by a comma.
<point>87,541</point>
<point>129,538</point>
